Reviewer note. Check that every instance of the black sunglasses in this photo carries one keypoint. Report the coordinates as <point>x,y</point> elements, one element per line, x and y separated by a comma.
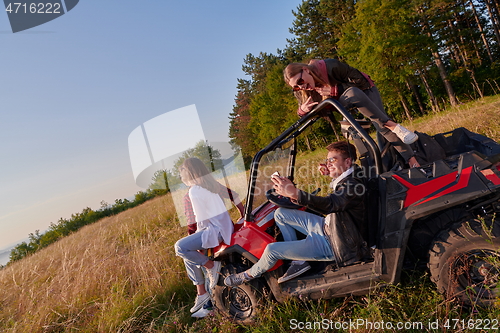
<point>300,82</point>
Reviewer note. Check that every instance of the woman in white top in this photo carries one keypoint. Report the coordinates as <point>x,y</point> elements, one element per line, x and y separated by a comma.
<point>213,226</point>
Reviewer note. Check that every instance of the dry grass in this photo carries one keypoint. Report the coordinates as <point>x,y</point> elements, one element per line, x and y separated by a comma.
<point>99,278</point>
<point>117,275</point>
<point>481,116</point>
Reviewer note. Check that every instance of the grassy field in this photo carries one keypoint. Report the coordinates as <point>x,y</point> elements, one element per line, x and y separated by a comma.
<point>121,274</point>
<point>482,116</point>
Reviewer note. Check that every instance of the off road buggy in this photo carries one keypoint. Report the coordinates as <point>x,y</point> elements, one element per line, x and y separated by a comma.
<point>441,214</point>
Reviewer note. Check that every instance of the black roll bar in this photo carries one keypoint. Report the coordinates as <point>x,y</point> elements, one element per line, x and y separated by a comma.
<point>298,127</point>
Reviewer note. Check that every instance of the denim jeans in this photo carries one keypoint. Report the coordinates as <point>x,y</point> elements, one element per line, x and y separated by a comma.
<point>187,248</point>
<point>314,247</point>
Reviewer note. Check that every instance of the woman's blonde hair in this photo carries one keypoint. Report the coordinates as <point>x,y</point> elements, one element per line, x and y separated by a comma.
<point>195,172</point>
<point>302,95</point>
<point>296,67</point>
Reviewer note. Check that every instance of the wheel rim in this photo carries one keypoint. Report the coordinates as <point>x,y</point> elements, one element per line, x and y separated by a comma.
<point>238,302</point>
<point>477,273</point>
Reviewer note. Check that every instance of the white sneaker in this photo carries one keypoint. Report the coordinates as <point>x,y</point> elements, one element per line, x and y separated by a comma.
<point>206,309</point>
<point>213,274</point>
<point>199,301</point>
<point>405,134</point>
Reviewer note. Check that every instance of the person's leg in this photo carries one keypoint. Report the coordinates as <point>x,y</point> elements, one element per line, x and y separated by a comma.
<point>367,105</point>
<point>291,220</point>
<point>187,248</point>
<point>374,96</point>
<point>288,230</point>
<point>355,97</point>
<point>314,247</point>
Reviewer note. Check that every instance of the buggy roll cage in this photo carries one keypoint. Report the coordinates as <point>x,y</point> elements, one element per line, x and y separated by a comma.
<point>321,110</point>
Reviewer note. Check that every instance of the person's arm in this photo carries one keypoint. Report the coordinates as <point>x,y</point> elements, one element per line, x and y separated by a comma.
<point>306,107</point>
<point>307,101</point>
<point>347,193</point>
<point>241,209</point>
<point>323,169</point>
<point>284,186</point>
<point>334,202</point>
<point>189,213</point>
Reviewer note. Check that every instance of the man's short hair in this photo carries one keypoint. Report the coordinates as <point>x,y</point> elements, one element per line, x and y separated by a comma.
<point>345,149</point>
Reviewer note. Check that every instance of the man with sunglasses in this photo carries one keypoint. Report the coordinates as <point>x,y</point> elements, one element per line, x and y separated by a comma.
<point>339,236</point>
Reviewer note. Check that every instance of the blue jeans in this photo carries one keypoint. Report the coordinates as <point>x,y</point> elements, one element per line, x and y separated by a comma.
<point>314,247</point>
<point>187,248</point>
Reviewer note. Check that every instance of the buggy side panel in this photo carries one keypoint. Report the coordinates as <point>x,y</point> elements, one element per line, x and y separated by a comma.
<point>410,194</point>
<point>249,241</point>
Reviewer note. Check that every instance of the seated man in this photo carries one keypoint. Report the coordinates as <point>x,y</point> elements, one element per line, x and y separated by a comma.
<point>337,237</point>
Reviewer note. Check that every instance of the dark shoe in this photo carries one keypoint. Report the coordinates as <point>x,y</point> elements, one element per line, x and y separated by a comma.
<point>295,270</point>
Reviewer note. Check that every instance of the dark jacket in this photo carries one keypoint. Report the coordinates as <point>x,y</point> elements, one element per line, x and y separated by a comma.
<point>345,75</point>
<point>345,223</point>
<point>339,74</point>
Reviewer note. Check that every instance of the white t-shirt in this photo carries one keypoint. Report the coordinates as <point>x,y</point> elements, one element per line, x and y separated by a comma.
<point>211,216</point>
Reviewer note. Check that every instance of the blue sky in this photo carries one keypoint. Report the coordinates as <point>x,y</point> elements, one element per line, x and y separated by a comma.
<point>73,89</point>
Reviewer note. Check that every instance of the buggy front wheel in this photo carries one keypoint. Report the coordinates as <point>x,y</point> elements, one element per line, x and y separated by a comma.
<point>241,303</point>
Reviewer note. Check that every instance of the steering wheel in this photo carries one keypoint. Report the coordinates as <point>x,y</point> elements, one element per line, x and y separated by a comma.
<point>280,201</point>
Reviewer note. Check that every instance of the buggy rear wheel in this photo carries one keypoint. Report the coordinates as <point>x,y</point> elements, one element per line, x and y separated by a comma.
<point>465,262</point>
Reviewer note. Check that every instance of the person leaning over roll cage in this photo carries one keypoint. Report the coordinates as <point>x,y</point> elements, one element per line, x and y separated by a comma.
<point>332,78</point>
<point>339,237</point>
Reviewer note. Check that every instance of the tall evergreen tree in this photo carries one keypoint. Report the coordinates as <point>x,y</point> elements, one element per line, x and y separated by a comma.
<point>239,130</point>
<point>318,26</point>
<point>273,109</point>
<point>382,41</point>
<point>431,18</point>
<point>240,133</point>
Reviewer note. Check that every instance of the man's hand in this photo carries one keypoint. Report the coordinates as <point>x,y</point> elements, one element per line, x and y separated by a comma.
<point>284,186</point>
<point>323,169</point>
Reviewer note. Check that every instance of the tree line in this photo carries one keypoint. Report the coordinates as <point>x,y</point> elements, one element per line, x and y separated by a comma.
<point>64,227</point>
<point>424,55</point>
